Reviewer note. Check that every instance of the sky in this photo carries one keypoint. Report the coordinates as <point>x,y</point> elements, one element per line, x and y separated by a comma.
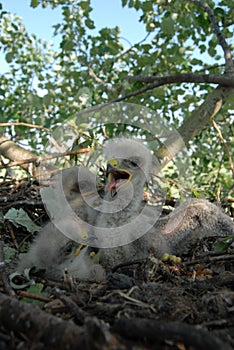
<point>106,13</point>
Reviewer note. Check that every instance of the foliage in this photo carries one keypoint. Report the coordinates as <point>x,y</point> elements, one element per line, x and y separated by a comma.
<point>20,218</point>
<point>45,86</point>
<point>223,245</point>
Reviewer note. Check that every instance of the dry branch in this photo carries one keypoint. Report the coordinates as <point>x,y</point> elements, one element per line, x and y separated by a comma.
<point>23,158</point>
<point>155,331</point>
<point>12,151</point>
<point>39,327</point>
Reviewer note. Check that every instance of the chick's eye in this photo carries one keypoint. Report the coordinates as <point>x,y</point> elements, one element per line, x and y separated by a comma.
<point>135,162</point>
<point>69,247</point>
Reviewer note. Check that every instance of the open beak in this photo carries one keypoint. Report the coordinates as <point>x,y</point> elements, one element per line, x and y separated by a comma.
<point>116,178</point>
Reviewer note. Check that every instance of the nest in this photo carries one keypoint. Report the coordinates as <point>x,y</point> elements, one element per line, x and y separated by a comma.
<point>147,304</point>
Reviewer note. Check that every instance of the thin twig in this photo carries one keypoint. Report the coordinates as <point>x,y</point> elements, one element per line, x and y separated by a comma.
<point>12,234</point>
<point>132,46</point>
<point>28,295</point>
<point>100,81</point>
<point>225,145</point>
<point>210,259</point>
<point>24,124</point>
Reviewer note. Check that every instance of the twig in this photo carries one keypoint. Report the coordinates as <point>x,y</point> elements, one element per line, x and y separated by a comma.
<point>130,300</point>
<point>12,235</point>
<point>132,46</point>
<point>120,86</point>
<point>24,294</point>
<point>22,202</point>
<point>100,81</point>
<point>216,172</point>
<point>210,259</point>
<point>217,197</point>
<point>225,145</point>
<point>24,124</point>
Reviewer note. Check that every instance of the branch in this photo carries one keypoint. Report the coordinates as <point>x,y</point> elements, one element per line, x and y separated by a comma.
<point>150,331</point>
<point>23,158</point>
<point>154,82</point>
<point>25,124</point>
<point>195,122</point>
<point>184,78</point>
<point>225,146</point>
<point>39,327</point>
<point>100,81</point>
<point>221,39</point>
<point>133,46</point>
<point>191,126</point>
<point>12,151</point>
<point>40,330</point>
<point>119,87</point>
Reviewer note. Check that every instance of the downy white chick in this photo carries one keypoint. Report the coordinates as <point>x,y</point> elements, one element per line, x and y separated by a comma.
<point>52,250</point>
<point>129,164</point>
<point>122,210</point>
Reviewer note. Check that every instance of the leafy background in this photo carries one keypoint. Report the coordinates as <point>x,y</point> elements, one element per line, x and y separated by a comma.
<point>90,69</point>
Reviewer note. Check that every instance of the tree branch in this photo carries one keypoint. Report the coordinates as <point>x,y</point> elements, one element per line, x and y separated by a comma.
<point>21,157</point>
<point>12,151</point>
<point>41,330</point>
<point>38,326</point>
<point>221,39</point>
<point>154,82</point>
<point>195,122</point>
<point>184,78</point>
<point>149,331</point>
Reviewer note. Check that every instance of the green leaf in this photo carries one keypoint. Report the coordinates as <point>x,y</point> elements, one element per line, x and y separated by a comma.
<point>34,3</point>
<point>90,24</point>
<point>9,57</point>
<point>36,289</point>
<point>20,218</point>
<point>167,26</point>
<point>34,100</point>
<point>224,244</point>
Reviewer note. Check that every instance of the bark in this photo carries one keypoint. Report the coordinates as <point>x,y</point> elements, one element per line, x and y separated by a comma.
<point>192,125</point>
<point>46,331</point>
<point>12,151</point>
<point>38,326</point>
<point>156,331</point>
